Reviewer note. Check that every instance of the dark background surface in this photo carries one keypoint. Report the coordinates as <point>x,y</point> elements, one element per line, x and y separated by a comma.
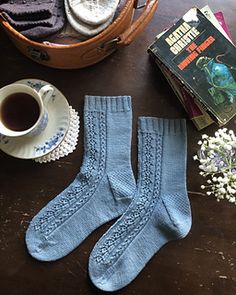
<point>202,263</point>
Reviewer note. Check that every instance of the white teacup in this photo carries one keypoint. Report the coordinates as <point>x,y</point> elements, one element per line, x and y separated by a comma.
<point>23,110</point>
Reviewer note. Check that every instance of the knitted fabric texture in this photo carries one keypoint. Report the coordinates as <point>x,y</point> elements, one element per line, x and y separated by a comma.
<point>39,32</point>
<point>93,12</point>
<point>38,19</point>
<point>33,10</point>
<point>100,192</point>
<point>159,212</point>
<point>82,27</point>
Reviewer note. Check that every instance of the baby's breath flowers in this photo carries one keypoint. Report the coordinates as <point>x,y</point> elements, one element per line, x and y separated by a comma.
<point>217,157</point>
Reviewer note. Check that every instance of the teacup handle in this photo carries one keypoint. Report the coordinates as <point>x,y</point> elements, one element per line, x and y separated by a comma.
<point>45,93</point>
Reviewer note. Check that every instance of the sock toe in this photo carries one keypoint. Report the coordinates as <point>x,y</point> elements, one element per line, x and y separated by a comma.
<point>99,280</point>
<point>40,248</point>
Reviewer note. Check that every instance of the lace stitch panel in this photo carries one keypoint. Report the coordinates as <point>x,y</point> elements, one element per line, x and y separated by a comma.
<point>140,211</point>
<point>88,179</point>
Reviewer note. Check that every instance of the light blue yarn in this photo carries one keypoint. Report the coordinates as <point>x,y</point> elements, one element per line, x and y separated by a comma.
<point>100,192</point>
<point>159,212</point>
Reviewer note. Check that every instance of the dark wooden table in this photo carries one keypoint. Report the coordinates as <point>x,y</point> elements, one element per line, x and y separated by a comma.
<point>202,263</point>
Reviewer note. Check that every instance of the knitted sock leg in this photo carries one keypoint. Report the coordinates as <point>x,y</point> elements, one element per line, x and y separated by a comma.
<point>159,212</point>
<point>93,12</point>
<point>100,192</point>
<point>82,27</point>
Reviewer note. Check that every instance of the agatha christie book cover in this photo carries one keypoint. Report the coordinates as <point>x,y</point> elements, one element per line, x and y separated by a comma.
<point>204,60</point>
<point>198,116</point>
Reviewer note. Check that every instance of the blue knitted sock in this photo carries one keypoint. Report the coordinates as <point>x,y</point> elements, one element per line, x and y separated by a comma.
<point>100,192</point>
<point>159,212</point>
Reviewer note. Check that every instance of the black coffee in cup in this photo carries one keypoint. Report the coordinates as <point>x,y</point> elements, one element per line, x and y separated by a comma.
<point>19,111</point>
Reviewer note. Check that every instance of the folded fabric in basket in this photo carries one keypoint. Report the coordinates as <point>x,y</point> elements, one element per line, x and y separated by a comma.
<point>84,28</point>
<point>33,10</point>
<point>90,17</point>
<point>35,19</point>
<point>93,12</point>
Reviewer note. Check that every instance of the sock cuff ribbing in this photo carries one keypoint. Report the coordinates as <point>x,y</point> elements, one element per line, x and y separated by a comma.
<point>162,126</point>
<point>107,103</point>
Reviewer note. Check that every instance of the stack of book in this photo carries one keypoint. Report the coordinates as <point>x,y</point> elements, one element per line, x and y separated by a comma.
<point>198,59</point>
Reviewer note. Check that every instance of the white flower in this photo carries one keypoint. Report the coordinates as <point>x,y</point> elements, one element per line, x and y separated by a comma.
<point>203,148</point>
<point>231,190</point>
<point>228,147</point>
<point>225,180</point>
<point>232,200</point>
<point>211,146</point>
<point>217,158</point>
<point>222,190</point>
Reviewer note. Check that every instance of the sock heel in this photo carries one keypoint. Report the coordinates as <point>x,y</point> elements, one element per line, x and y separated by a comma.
<point>122,184</point>
<point>180,216</point>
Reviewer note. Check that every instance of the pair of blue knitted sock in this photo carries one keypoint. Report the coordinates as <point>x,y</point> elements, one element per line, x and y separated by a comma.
<point>153,211</point>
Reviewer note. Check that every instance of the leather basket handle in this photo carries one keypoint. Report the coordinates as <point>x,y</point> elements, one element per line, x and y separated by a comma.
<point>139,24</point>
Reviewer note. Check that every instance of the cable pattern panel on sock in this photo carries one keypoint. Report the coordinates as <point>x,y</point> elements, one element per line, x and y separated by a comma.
<point>140,211</point>
<point>92,171</point>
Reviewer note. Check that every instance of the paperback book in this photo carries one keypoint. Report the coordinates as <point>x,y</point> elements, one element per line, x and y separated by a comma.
<point>198,59</point>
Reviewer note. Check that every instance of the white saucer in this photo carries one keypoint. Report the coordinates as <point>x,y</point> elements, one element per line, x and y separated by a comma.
<point>51,137</point>
<point>68,144</point>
